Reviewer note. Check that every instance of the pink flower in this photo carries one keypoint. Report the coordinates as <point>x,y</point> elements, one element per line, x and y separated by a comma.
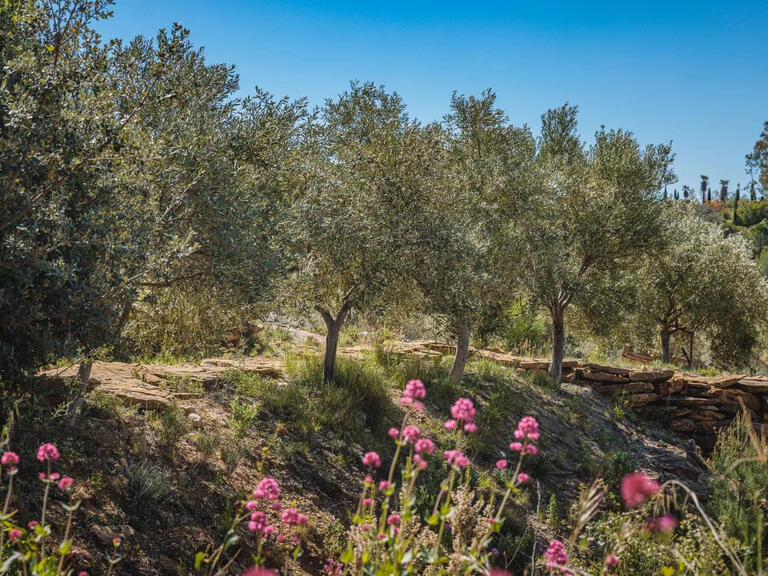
<point>260,523</point>
<point>556,555</point>
<point>14,534</point>
<point>501,464</point>
<point>369,480</point>
<point>277,506</point>
<point>611,560</point>
<point>522,478</point>
<point>280,538</point>
<point>381,536</point>
<point>463,410</point>
<point>267,488</point>
<point>531,449</point>
<point>421,464</point>
<point>414,390</point>
<point>10,459</point>
<point>456,458</point>
<point>82,573</point>
<point>65,483</point>
<point>394,433</point>
<point>516,447</point>
<point>31,524</point>
<point>367,502</point>
<point>527,429</point>
<point>47,452</point>
<point>259,571</point>
<point>393,520</point>
<point>450,425</point>
<point>371,459</point>
<point>470,428</point>
<point>424,446</point>
<point>411,434</point>
<point>116,541</point>
<point>499,572</point>
<point>292,516</point>
<point>636,488</point>
<point>384,485</point>
<point>662,524</point>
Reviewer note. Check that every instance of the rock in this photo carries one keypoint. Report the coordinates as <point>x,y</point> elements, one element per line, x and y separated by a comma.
<point>651,375</point>
<point>605,377</point>
<point>738,397</point>
<point>104,535</point>
<point>708,413</point>
<point>725,381</point>
<point>137,393</point>
<point>195,420</point>
<point>692,401</point>
<point>608,369</point>
<point>631,387</point>
<point>683,425</point>
<point>755,385</point>
<point>642,399</point>
<point>663,413</point>
<point>668,387</point>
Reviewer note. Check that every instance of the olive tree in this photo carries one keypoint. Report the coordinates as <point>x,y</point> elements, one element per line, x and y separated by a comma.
<point>592,210</point>
<point>480,188</point>
<point>350,220</point>
<point>699,282</point>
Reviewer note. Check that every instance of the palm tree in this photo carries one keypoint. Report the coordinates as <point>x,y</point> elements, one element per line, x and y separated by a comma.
<point>704,186</point>
<point>723,191</point>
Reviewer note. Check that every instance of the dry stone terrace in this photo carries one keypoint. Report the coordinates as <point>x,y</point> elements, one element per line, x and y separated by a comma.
<point>689,404</point>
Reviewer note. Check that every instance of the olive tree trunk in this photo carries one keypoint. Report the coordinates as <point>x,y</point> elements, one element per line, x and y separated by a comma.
<point>665,338</point>
<point>462,353</point>
<point>333,329</point>
<point>83,380</point>
<point>557,311</point>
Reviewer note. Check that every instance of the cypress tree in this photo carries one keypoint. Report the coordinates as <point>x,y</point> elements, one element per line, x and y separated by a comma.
<point>703,187</point>
<point>736,205</point>
<point>723,191</point>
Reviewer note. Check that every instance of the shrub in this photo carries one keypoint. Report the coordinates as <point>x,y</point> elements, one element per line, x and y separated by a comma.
<point>740,486</point>
<point>172,425</point>
<point>243,415</point>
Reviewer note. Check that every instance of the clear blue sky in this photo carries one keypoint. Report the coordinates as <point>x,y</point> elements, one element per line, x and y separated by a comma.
<point>695,73</point>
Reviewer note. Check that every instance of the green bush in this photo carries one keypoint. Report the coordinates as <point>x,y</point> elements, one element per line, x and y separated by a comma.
<point>172,425</point>
<point>243,415</point>
<point>740,487</point>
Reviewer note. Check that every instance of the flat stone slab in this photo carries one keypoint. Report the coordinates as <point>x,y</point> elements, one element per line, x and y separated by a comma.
<point>754,384</point>
<point>651,375</point>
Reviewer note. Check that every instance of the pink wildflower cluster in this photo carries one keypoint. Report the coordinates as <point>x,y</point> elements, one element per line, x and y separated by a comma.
<point>333,567</point>
<point>557,557</point>
<point>259,523</point>
<point>47,452</point>
<point>292,517</point>
<point>463,416</point>
<point>267,488</point>
<point>636,488</point>
<point>411,434</point>
<point>413,393</point>
<point>372,460</point>
<point>10,460</point>
<point>456,458</point>
<point>526,433</point>
<point>259,571</point>
<point>662,524</point>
